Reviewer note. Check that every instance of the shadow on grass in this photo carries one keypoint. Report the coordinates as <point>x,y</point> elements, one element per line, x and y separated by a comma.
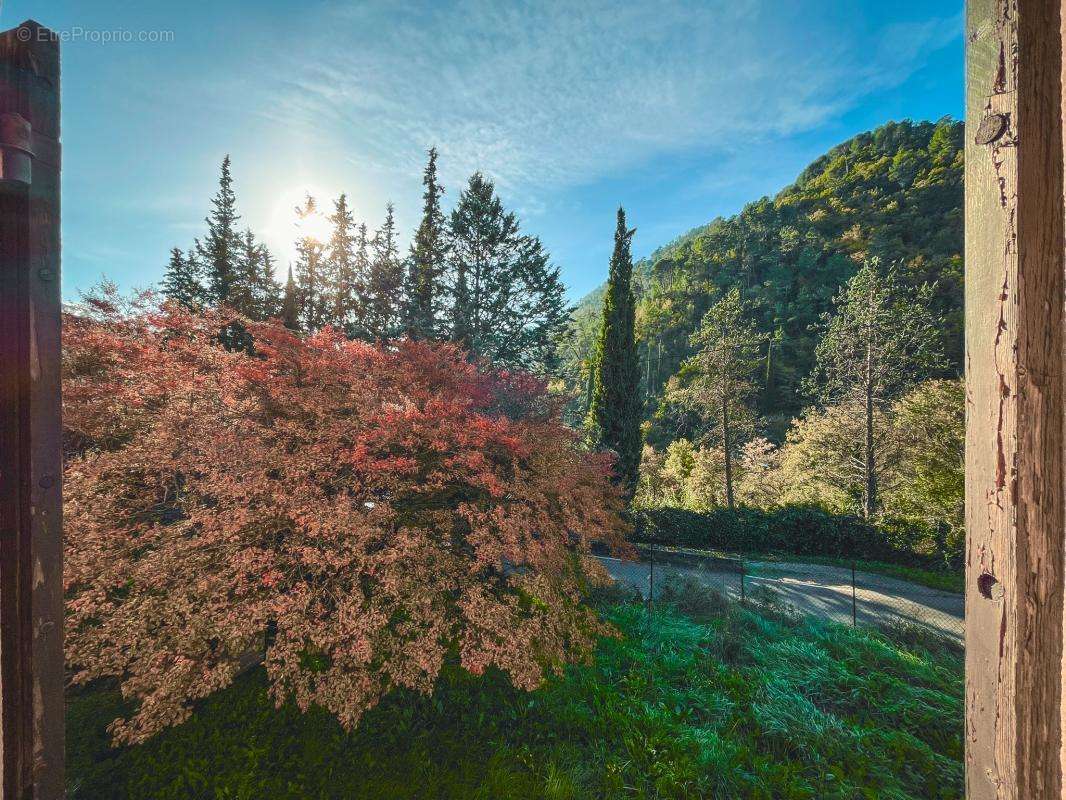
<point>737,702</point>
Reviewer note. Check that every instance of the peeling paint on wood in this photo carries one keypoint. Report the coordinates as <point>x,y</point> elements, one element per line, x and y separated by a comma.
<point>1014,366</point>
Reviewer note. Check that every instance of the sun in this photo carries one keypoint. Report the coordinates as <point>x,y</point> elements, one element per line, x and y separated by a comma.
<point>287,226</point>
<point>314,225</point>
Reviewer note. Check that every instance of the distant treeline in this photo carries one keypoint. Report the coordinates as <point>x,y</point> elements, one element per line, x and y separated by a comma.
<point>470,276</point>
<point>894,194</point>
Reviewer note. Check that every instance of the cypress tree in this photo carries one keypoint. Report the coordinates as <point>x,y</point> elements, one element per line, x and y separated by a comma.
<point>426,262</point>
<point>181,281</point>
<point>220,251</point>
<point>615,413</point>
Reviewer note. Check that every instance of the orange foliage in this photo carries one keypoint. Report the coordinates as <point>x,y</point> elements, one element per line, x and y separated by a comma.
<point>357,515</point>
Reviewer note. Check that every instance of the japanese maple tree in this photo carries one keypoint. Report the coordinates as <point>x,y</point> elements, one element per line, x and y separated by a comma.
<point>356,516</point>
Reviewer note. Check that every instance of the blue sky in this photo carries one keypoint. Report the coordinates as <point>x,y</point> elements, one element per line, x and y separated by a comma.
<point>681,111</point>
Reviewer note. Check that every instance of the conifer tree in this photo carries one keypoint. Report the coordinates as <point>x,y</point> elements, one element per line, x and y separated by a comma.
<point>720,382</point>
<point>290,304</point>
<point>358,327</point>
<point>344,266</point>
<point>462,312</point>
<point>385,283</point>
<point>426,261</point>
<point>508,302</point>
<point>312,275</point>
<point>245,290</point>
<point>220,251</point>
<point>182,280</point>
<point>880,341</point>
<point>615,412</point>
<point>267,294</point>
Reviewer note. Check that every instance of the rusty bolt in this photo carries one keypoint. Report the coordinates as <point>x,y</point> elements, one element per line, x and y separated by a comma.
<point>991,128</point>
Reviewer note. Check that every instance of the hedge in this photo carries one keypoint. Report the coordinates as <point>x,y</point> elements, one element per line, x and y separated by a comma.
<point>796,530</point>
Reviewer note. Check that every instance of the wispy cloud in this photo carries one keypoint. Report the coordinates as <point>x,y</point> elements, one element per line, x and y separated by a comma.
<point>549,94</point>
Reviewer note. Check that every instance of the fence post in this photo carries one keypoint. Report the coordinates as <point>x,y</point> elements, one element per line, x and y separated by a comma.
<point>854,602</point>
<point>651,577</point>
<point>743,571</point>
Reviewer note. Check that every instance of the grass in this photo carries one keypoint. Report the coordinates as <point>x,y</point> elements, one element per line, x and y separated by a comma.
<point>727,702</point>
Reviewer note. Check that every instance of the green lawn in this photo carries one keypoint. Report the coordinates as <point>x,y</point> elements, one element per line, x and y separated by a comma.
<point>744,704</point>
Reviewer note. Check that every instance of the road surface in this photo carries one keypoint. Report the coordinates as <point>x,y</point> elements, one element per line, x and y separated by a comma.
<point>815,589</point>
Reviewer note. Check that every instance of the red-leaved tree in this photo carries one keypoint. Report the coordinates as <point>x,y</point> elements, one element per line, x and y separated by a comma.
<point>354,515</point>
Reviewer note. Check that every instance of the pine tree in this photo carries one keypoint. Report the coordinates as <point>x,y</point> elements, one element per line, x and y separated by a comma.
<point>615,413</point>
<point>182,280</point>
<point>267,292</point>
<point>462,314</point>
<point>385,283</point>
<point>721,381</point>
<point>344,266</point>
<point>358,327</point>
<point>507,302</point>
<point>312,275</point>
<point>881,339</point>
<point>426,261</point>
<point>244,293</point>
<point>291,310</point>
<point>220,251</point>
<point>539,316</point>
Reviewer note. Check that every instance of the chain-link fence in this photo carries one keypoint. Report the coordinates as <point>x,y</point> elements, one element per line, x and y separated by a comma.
<point>841,593</point>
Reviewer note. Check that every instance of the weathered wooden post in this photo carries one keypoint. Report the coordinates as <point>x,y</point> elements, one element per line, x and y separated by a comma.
<point>31,569</point>
<point>1014,400</point>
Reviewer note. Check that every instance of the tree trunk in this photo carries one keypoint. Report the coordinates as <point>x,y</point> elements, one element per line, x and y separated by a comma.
<point>870,504</point>
<point>726,447</point>
<point>590,386</point>
<point>769,363</point>
<point>647,374</point>
<point>659,363</point>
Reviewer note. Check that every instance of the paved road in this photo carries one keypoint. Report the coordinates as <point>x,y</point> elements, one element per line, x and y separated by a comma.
<point>816,589</point>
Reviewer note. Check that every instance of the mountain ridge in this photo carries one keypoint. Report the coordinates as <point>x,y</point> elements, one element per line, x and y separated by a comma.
<point>893,193</point>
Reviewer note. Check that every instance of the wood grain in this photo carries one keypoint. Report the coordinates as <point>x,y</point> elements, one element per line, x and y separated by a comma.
<point>31,564</point>
<point>1014,370</point>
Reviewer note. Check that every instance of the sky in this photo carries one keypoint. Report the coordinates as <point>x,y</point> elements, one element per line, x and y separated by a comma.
<point>680,111</point>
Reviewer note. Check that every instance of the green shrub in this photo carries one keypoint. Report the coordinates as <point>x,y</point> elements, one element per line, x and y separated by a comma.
<point>615,593</point>
<point>793,529</point>
<point>690,596</point>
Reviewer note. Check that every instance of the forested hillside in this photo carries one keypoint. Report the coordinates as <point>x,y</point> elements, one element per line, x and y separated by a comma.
<point>894,193</point>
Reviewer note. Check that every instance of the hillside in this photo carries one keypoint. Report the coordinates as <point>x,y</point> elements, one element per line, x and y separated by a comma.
<point>895,193</point>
